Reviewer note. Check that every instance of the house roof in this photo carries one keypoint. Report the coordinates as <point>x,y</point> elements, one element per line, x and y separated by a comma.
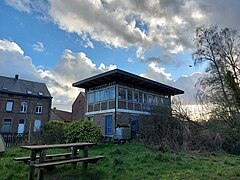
<point>118,75</point>
<point>23,87</point>
<point>79,95</point>
<point>61,115</point>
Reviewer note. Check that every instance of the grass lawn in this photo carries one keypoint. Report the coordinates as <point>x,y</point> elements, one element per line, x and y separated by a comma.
<point>132,161</point>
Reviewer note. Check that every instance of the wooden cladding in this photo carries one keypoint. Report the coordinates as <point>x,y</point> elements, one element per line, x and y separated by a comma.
<point>100,106</point>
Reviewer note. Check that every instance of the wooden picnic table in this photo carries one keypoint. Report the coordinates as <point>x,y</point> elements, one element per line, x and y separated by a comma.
<point>41,149</point>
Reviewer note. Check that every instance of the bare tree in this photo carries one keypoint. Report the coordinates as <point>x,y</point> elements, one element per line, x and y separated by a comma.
<point>220,50</point>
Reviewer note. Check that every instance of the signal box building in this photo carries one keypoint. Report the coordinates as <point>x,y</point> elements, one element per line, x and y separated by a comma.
<point>118,98</point>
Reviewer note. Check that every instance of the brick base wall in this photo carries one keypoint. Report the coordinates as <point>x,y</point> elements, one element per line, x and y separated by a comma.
<point>122,119</point>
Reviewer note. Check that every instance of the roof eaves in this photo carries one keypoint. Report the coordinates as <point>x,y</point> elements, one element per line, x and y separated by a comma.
<point>25,94</point>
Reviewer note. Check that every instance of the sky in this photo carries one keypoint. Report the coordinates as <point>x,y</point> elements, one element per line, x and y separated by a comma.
<point>60,42</point>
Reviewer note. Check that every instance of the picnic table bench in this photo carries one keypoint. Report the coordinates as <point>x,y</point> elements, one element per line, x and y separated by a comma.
<point>45,161</point>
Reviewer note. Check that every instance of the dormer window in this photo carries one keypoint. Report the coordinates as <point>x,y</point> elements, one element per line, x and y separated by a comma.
<point>4,88</point>
<point>29,92</point>
<point>40,93</point>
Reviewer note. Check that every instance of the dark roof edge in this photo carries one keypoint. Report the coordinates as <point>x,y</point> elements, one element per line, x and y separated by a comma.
<point>23,80</point>
<point>128,74</point>
<point>94,77</point>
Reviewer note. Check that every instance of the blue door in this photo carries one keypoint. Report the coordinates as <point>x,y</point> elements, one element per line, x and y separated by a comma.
<point>108,125</point>
<point>134,125</point>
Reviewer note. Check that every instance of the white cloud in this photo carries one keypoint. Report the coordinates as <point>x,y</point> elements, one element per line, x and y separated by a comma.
<point>185,83</point>
<point>72,67</point>
<point>140,53</point>
<point>21,5</point>
<point>30,6</point>
<point>13,61</point>
<point>38,46</point>
<point>87,42</point>
<point>130,60</point>
<point>6,45</point>
<point>148,24</point>
<point>157,73</point>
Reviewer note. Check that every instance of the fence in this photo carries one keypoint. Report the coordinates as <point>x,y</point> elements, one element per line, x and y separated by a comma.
<point>13,139</point>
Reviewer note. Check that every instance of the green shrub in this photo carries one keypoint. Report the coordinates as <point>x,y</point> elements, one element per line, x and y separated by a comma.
<point>53,132</point>
<point>82,131</point>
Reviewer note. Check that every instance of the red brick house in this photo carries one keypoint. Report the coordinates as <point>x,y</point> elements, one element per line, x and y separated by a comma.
<point>61,115</point>
<point>79,107</point>
<point>23,105</point>
<point>119,98</point>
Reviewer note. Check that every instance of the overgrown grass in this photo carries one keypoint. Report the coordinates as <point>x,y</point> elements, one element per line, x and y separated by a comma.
<point>132,161</point>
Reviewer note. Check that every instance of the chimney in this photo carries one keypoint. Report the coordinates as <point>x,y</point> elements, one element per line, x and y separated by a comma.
<point>16,76</point>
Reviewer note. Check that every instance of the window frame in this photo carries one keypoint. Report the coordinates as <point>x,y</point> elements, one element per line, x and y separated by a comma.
<point>6,108</point>
<point>129,95</point>
<point>38,107</point>
<point>37,129</point>
<point>122,94</point>
<point>3,125</point>
<point>24,105</point>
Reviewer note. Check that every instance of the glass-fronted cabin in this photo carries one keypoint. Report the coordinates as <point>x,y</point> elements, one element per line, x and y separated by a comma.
<point>118,98</point>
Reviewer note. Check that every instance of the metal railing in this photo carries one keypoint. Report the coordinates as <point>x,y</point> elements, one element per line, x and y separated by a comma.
<point>14,139</point>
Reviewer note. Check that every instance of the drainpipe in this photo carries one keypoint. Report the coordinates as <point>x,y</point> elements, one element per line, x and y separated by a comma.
<point>115,116</point>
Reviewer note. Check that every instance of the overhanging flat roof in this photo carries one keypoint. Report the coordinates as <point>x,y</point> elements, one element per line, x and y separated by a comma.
<point>120,76</point>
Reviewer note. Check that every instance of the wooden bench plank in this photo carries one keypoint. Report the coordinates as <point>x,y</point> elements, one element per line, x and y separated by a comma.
<point>93,159</point>
<point>50,156</point>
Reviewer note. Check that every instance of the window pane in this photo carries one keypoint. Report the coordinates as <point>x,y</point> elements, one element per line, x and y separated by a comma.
<point>135,96</point>
<point>37,125</point>
<point>97,96</point>
<point>106,94</point>
<point>21,126</point>
<point>140,97</point>
<point>102,95</point>
<point>90,97</point>
<point>145,98</point>
<point>111,93</point>
<point>39,108</point>
<point>23,108</point>
<point>6,125</point>
<point>122,93</point>
<point>9,106</point>
<point>155,100</point>
<point>150,99</point>
<point>166,102</point>
<point>129,95</point>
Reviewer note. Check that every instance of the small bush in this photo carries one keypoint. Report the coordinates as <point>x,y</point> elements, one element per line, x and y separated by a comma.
<point>53,132</point>
<point>82,131</point>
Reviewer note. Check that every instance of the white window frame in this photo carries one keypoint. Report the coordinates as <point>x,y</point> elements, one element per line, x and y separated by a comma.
<point>23,108</point>
<point>21,126</point>
<point>39,109</point>
<point>9,106</point>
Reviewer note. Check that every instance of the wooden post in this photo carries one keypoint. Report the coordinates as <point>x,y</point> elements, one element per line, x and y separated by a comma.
<point>74,154</point>
<point>31,167</point>
<point>85,154</point>
<point>41,159</point>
